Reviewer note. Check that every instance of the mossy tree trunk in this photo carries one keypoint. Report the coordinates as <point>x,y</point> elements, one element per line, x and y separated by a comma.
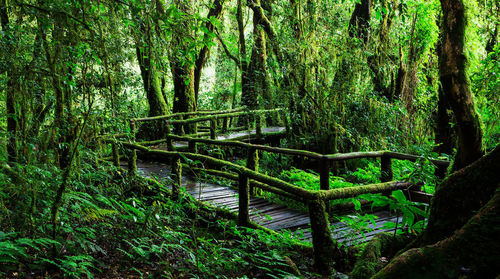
<point>182,66</point>
<point>378,61</point>
<point>444,136</point>
<point>146,57</point>
<point>462,194</point>
<point>12,86</point>
<point>473,251</point>
<point>461,238</point>
<point>452,66</point>
<point>60,48</point>
<point>360,20</point>
<point>257,75</point>
<point>243,62</point>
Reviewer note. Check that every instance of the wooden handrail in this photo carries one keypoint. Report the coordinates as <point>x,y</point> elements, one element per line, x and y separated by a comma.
<point>241,144</point>
<point>309,154</point>
<point>339,193</point>
<point>205,118</point>
<point>274,182</point>
<point>179,114</point>
<point>323,243</point>
<point>350,192</point>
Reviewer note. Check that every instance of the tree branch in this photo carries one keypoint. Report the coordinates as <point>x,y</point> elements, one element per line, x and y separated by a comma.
<point>228,53</point>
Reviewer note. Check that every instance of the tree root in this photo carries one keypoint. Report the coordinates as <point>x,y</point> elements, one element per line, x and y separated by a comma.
<point>373,257</point>
<point>472,252</point>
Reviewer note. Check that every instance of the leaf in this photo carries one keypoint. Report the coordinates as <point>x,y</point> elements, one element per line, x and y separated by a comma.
<point>357,205</point>
<point>389,225</point>
<point>399,196</point>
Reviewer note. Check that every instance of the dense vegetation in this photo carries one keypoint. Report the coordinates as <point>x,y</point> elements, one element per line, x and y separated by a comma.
<point>420,77</point>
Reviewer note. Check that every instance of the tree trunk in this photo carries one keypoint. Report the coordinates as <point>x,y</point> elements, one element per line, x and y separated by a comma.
<point>12,87</point>
<point>245,80</point>
<point>444,139</point>
<point>473,251</point>
<point>360,20</point>
<point>462,194</point>
<point>214,12</point>
<point>150,78</point>
<point>456,89</point>
<point>258,75</point>
<point>183,70</point>
<point>461,239</point>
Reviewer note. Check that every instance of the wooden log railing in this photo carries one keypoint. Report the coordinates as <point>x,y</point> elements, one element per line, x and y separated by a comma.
<point>187,114</point>
<point>181,120</point>
<point>248,176</point>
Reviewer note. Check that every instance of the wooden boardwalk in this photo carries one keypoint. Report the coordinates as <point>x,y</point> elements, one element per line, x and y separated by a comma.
<point>270,215</point>
<point>240,135</point>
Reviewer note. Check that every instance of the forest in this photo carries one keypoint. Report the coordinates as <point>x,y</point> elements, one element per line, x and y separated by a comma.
<point>249,139</point>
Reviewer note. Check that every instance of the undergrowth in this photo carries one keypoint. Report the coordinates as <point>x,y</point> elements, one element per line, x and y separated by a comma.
<point>112,226</point>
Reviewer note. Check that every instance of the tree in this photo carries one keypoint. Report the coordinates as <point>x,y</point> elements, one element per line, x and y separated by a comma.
<point>452,66</point>
<point>214,13</point>
<point>12,84</point>
<point>462,237</point>
<point>147,58</point>
<point>181,63</point>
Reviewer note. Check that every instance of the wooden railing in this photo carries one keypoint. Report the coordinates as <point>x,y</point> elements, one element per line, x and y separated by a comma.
<point>213,118</point>
<point>249,175</point>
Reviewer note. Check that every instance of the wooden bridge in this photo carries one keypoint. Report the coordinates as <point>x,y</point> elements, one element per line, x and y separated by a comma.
<point>181,151</point>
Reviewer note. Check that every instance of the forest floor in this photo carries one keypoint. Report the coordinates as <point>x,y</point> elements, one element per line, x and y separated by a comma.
<point>116,227</point>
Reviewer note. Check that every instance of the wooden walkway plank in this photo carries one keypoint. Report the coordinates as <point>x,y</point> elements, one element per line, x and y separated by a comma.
<point>271,215</point>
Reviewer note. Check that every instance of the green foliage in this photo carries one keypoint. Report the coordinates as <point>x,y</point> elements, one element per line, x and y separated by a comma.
<point>414,218</point>
<point>107,219</point>
<point>485,83</point>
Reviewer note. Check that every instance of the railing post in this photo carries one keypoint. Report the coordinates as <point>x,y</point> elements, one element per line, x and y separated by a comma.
<point>324,174</point>
<point>285,121</point>
<point>132,159</point>
<point>192,146</point>
<point>323,245</point>
<point>253,163</point>
<point>213,128</point>
<point>386,168</point>
<point>440,171</point>
<point>225,124</point>
<point>170,144</point>
<point>258,125</point>
<point>182,130</point>
<point>116,154</point>
<point>243,200</point>
<point>177,170</point>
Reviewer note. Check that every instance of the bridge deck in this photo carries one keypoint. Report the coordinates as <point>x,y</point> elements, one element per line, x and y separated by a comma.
<point>270,215</point>
<point>241,135</point>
